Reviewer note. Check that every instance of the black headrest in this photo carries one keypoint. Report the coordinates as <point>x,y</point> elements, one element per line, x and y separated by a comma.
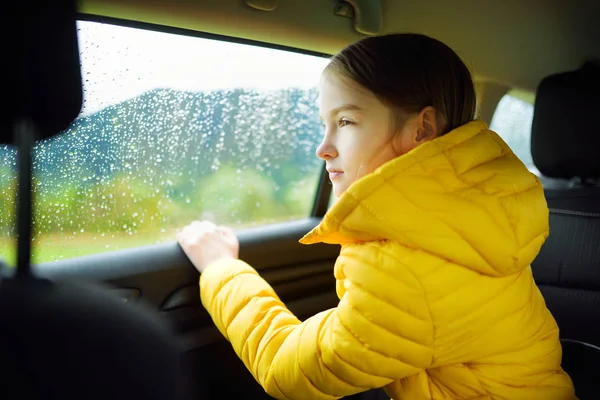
<point>565,134</point>
<point>41,71</point>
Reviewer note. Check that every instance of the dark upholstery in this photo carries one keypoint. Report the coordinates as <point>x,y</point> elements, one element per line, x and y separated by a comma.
<point>40,66</point>
<point>565,132</point>
<point>566,149</point>
<point>74,341</point>
<point>582,360</point>
<point>568,266</point>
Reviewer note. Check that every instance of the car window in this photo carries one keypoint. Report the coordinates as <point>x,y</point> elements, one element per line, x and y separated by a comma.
<point>512,121</point>
<point>173,128</point>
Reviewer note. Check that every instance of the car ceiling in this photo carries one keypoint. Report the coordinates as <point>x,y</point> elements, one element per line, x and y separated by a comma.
<point>512,42</point>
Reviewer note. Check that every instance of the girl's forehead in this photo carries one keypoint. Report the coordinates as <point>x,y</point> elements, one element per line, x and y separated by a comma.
<point>334,89</point>
<point>333,86</point>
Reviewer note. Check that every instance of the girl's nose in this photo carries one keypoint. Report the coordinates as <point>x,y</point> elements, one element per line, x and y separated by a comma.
<point>326,150</point>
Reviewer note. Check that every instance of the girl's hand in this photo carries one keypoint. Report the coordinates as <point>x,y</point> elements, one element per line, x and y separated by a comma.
<point>204,243</point>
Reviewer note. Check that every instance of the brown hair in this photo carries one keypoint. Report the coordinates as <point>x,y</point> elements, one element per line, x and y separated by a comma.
<point>409,72</point>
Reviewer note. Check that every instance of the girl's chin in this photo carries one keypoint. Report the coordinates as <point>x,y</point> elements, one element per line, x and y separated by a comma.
<point>338,190</point>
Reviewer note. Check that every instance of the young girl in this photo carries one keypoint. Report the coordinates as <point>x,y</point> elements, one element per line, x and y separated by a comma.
<point>438,223</point>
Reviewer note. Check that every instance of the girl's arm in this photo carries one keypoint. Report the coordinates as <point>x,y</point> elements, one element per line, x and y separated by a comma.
<point>380,332</point>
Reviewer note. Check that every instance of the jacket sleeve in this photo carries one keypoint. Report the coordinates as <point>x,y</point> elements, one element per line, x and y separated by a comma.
<point>380,332</point>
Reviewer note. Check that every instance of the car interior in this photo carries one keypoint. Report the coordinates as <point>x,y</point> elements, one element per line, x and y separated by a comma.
<point>183,110</point>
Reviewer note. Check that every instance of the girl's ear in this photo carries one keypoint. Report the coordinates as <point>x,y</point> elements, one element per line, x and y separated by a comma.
<point>417,129</point>
<point>427,125</point>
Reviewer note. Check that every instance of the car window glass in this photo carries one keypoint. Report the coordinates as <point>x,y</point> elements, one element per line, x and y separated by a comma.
<point>173,128</point>
<point>512,121</point>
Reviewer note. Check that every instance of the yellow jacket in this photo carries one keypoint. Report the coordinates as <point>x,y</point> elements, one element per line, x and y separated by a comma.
<point>437,298</point>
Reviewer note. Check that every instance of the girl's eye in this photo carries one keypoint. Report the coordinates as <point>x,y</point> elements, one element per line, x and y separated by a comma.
<point>344,122</point>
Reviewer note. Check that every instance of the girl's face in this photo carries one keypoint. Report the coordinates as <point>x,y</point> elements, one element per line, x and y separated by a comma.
<point>359,134</point>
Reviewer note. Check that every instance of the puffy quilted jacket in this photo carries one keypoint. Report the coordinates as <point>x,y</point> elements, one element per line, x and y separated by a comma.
<point>437,298</point>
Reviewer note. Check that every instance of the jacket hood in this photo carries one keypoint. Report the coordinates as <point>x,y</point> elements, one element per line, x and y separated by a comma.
<point>463,197</point>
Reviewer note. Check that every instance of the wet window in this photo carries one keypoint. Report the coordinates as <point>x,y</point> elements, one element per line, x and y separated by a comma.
<point>512,121</point>
<point>173,128</point>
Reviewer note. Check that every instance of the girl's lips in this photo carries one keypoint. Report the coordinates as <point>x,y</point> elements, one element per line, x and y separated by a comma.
<point>335,174</point>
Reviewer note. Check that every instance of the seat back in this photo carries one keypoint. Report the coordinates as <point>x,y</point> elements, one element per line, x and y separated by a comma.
<point>566,150</point>
<point>64,340</point>
<point>78,341</point>
<point>567,270</point>
<point>582,361</point>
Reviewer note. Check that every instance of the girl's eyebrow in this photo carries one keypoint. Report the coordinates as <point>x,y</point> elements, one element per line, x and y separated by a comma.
<point>344,107</point>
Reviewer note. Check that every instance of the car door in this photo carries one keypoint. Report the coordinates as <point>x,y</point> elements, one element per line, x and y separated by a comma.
<point>178,126</point>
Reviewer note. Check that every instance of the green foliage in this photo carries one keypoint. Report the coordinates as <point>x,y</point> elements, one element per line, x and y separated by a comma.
<point>236,196</point>
<point>136,171</point>
<point>8,187</point>
<point>299,197</point>
<point>121,204</point>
